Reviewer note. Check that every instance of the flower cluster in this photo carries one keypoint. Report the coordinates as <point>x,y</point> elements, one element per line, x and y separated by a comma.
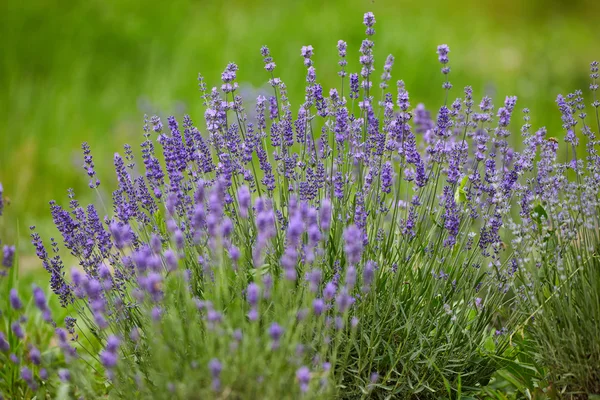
<point>350,242</point>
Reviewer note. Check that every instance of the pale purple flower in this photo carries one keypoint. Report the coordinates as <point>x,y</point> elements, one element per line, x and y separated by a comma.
<point>8,255</point>
<point>303,376</point>
<point>15,301</point>
<point>215,367</point>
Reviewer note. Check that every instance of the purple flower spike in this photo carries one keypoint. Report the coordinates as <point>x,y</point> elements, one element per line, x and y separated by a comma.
<point>35,356</point>
<point>368,274</point>
<point>89,166</point>
<point>18,330</point>
<point>314,279</point>
<point>275,332</point>
<point>244,200</point>
<point>215,367</point>
<point>303,376</point>
<point>15,301</point>
<point>442,52</point>
<point>353,246</point>
<point>329,291</point>
<point>4,346</point>
<point>27,376</point>
<point>64,375</point>
<point>121,234</point>
<point>8,255</point>
<point>369,21</point>
<point>170,259</point>
<point>253,294</point>
<point>318,306</point>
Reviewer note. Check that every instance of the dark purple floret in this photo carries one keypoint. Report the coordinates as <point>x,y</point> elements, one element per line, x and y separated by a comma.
<point>354,86</point>
<point>35,356</point>
<point>17,330</point>
<point>27,376</point>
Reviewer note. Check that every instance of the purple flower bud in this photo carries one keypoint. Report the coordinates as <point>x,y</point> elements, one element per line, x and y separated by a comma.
<point>215,367</point>
<point>226,227</point>
<point>93,289</point>
<point>329,291</point>
<point>318,306</point>
<point>303,376</point>
<point>35,356</point>
<point>235,254</point>
<point>244,200</point>
<point>170,259</point>
<point>478,302</point>
<point>214,317</point>
<point>267,285</point>
<point>153,285</point>
<point>353,246</point>
<point>314,279</point>
<point>113,343</point>
<point>344,300</point>
<point>253,294</point>
<point>18,330</point>
<point>4,346</point>
<point>108,359</point>
<point>374,377</point>
<point>43,373</point>
<point>64,375</point>
<point>8,255</point>
<point>442,51</point>
<point>156,243</point>
<point>179,239</point>
<point>121,233</point>
<point>156,313</point>
<point>27,376</point>
<point>15,301</point>
<point>350,277</point>
<point>368,273</point>
<point>275,331</point>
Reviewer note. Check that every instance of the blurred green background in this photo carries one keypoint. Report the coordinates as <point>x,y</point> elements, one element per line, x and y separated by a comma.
<point>74,71</point>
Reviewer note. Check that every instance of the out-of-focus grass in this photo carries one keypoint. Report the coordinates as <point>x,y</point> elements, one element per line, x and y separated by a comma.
<point>89,70</point>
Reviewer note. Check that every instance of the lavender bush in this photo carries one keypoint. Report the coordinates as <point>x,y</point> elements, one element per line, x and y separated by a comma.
<point>352,246</point>
<point>27,358</point>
